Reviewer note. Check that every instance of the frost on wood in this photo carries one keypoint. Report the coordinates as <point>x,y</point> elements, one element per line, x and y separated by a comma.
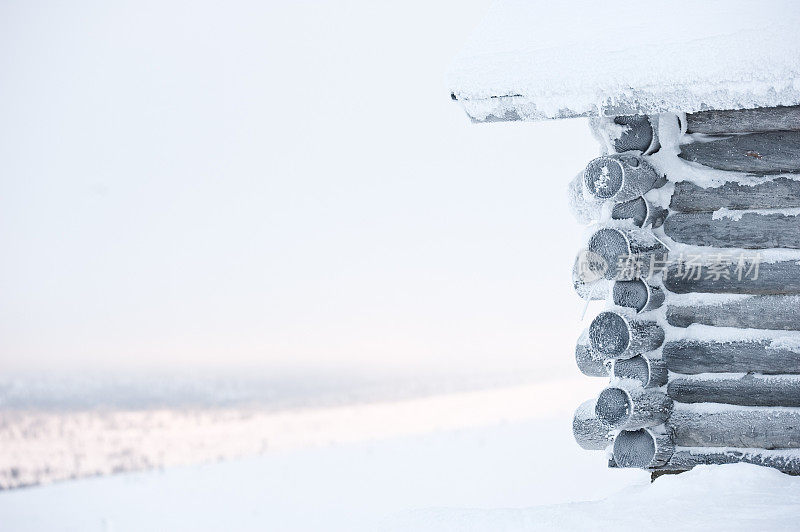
<point>747,390</point>
<point>711,356</point>
<point>771,152</point>
<point>628,405</point>
<point>619,178</point>
<point>638,295</point>
<point>716,425</point>
<point>650,372</point>
<point>590,362</point>
<point>774,278</point>
<point>590,432</point>
<point>643,448</point>
<point>616,336</point>
<point>725,386</point>
<point>749,230</point>
<point>619,248</point>
<point>779,312</point>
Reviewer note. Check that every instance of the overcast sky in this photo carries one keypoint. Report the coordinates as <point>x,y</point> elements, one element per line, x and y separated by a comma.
<point>278,185</point>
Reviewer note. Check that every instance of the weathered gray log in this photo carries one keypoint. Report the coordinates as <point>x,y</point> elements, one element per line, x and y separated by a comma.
<point>787,461</point>
<point>627,132</point>
<point>748,390</point>
<point>650,372</point>
<point>638,295</point>
<point>589,431</point>
<point>777,193</point>
<point>617,336</point>
<point>590,362</point>
<point>744,120</point>
<point>749,230</point>
<point>627,405</point>
<point>641,212</point>
<point>773,278</point>
<point>643,448</point>
<point>756,312</point>
<point>702,356</point>
<point>771,152</point>
<point>734,426</point>
<point>626,253</point>
<point>619,178</point>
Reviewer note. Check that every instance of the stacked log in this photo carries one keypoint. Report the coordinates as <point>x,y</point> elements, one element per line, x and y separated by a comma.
<point>702,355</point>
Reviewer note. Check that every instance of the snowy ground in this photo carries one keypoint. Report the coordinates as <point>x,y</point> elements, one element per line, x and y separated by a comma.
<point>499,459</point>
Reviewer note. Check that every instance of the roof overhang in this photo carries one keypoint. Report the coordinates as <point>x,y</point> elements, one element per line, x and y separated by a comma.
<point>533,60</point>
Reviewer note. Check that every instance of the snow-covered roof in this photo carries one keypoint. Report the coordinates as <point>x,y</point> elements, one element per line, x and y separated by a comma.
<point>534,59</point>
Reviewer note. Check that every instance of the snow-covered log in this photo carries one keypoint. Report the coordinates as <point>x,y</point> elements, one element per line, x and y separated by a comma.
<point>626,253</point>
<point>705,356</point>
<point>627,133</point>
<point>774,278</point>
<point>756,312</point>
<point>740,229</point>
<point>619,178</point>
<point>643,448</point>
<point>617,336</point>
<point>684,459</point>
<point>650,372</point>
<point>638,295</point>
<point>777,193</point>
<point>746,390</point>
<point>779,118</point>
<point>641,212</point>
<point>590,362</point>
<point>715,425</point>
<point>770,152</point>
<point>589,431</point>
<point>628,405</point>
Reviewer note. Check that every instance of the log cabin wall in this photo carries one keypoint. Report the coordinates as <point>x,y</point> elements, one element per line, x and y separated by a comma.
<point>695,246</point>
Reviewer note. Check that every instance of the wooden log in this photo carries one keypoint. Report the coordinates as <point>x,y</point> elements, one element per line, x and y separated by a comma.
<point>627,254</point>
<point>617,336</point>
<point>683,459</point>
<point>650,372</point>
<point>713,425</point>
<point>589,431</point>
<point>627,133</point>
<point>777,193</point>
<point>748,230</point>
<point>747,390</point>
<point>757,312</point>
<point>590,362</point>
<point>627,405</point>
<point>643,448</point>
<point>638,295</point>
<point>744,120</point>
<point>770,152</point>
<point>619,178</point>
<point>703,356</point>
<point>774,278</point>
<point>641,212</point>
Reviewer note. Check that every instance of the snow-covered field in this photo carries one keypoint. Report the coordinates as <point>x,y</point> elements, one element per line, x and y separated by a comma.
<point>501,458</point>
<point>45,445</point>
<point>516,476</point>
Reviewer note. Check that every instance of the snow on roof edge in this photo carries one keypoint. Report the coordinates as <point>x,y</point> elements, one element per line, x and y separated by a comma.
<point>535,59</point>
<point>521,108</point>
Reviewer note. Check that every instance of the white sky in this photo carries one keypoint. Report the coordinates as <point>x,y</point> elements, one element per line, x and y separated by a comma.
<point>279,185</point>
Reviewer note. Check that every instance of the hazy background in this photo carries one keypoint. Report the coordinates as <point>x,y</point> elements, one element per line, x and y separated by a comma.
<point>284,186</point>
